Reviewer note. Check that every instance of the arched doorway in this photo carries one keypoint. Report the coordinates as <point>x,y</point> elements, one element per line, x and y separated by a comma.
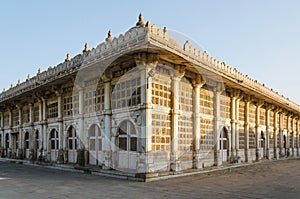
<point>284,144</point>
<point>127,146</point>
<point>54,145</point>
<point>261,144</point>
<point>224,144</point>
<point>72,145</point>
<point>6,144</point>
<point>26,144</point>
<point>37,144</point>
<point>95,145</point>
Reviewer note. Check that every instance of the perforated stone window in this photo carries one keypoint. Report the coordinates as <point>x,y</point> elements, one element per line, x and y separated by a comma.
<point>53,110</point>
<point>161,132</point>
<point>161,90</point>
<point>71,105</point>
<point>126,93</point>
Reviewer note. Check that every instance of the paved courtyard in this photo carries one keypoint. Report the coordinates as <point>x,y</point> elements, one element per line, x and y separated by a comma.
<point>276,179</point>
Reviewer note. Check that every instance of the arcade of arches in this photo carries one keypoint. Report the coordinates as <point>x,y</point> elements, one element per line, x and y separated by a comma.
<point>149,112</point>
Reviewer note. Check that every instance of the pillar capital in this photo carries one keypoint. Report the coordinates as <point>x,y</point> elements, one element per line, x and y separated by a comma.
<point>146,59</point>
<point>198,81</point>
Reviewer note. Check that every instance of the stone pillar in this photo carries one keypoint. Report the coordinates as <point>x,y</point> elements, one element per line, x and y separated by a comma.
<point>267,146</point>
<point>175,163</point>
<point>197,84</point>
<point>46,150</point>
<point>146,63</point>
<point>281,152</point>
<point>288,144</point>
<point>82,152</point>
<point>108,144</point>
<point>237,104</point>
<point>232,121</point>
<point>246,129</point>
<point>32,143</point>
<point>20,148</point>
<point>276,155</point>
<point>2,144</point>
<point>257,129</point>
<point>60,158</point>
<point>217,93</point>
<point>297,137</point>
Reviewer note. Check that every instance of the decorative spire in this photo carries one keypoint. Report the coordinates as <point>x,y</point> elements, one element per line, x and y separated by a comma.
<point>4,90</point>
<point>68,58</point>
<point>39,71</point>
<point>141,21</point>
<point>19,82</point>
<point>109,36</point>
<point>86,48</point>
<point>11,85</point>
<point>28,77</point>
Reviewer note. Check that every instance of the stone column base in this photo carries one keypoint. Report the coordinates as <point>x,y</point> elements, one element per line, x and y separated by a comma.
<point>60,157</point>
<point>268,154</point>
<point>257,154</point>
<point>174,164</point>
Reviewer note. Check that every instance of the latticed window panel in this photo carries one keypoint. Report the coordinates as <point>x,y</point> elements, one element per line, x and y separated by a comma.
<point>53,110</point>
<point>252,110</point>
<point>161,90</point>
<point>185,133</point>
<point>262,116</point>
<point>94,99</point>
<point>206,101</point>
<point>242,111</point>
<point>15,117</point>
<point>225,106</point>
<point>252,142</point>
<point>206,134</point>
<point>271,119</point>
<point>25,115</point>
<point>71,105</point>
<point>36,112</point>
<point>126,92</point>
<point>161,132</point>
<point>6,119</point>
<point>241,136</point>
<point>185,96</point>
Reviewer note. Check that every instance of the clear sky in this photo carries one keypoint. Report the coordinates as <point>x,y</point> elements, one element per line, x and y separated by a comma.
<point>258,37</point>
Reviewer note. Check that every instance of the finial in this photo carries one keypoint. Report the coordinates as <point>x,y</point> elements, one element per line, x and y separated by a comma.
<point>109,36</point>
<point>68,58</point>
<point>28,77</point>
<point>86,48</point>
<point>19,82</point>
<point>39,71</point>
<point>147,24</point>
<point>11,85</point>
<point>140,22</point>
<point>4,90</point>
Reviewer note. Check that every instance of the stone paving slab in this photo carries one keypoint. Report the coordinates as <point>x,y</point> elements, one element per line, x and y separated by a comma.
<point>270,179</point>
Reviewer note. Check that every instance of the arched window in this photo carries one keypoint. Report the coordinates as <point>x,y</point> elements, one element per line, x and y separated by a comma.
<point>72,138</point>
<point>37,139</point>
<point>54,139</point>
<point>95,145</point>
<point>27,141</point>
<point>7,141</point>
<point>127,137</point>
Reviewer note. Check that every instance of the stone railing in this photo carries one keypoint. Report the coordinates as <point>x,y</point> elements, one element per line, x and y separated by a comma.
<point>160,36</point>
<point>135,37</point>
<point>44,77</point>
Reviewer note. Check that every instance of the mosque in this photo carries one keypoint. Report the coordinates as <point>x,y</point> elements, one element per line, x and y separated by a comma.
<point>142,103</point>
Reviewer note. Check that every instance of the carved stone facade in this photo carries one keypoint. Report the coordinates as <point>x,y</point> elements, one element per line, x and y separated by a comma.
<point>141,103</point>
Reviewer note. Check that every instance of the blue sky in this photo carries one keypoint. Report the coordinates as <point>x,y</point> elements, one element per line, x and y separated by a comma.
<point>259,37</point>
